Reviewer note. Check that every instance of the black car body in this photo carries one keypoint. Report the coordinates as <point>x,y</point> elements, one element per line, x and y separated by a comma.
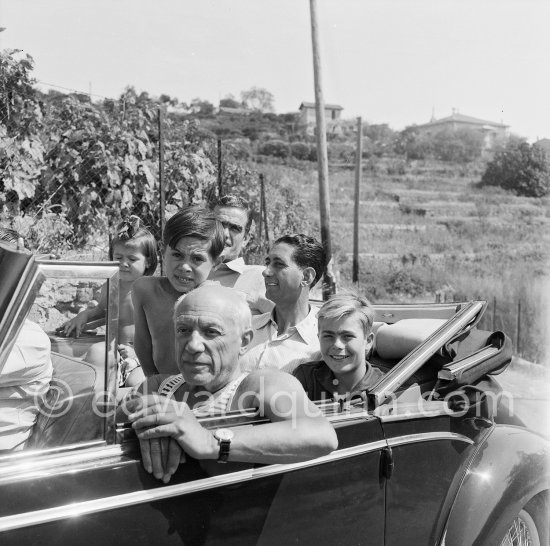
<point>431,457</point>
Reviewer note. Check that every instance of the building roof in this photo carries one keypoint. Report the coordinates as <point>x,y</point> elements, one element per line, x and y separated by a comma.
<point>544,143</point>
<point>229,110</point>
<point>455,117</point>
<point>327,106</point>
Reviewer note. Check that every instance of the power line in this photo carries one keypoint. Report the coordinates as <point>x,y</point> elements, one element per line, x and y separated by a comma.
<point>73,90</point>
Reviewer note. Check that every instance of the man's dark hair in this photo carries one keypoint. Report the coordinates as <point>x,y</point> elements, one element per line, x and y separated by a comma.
<point>308,252</point>
<point>195,222</point>
<point>236,202</point>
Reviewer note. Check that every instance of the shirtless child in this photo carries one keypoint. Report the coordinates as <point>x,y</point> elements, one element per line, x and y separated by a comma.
<point>192,243</point>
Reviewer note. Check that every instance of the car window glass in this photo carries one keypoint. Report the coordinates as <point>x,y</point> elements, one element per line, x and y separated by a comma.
<point>54,388</point>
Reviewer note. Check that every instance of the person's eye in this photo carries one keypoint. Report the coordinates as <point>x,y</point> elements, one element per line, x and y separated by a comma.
<point>183,329</point>
<point>236,229</point>
<point>199,259</point>
<point>212,332</point>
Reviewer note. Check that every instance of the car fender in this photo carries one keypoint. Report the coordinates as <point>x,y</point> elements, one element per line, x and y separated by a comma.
<point>498,483</point>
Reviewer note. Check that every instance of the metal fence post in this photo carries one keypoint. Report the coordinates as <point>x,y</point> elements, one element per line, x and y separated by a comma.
<point>358,164</point>
<point>518,329</point>
<point>220,168</point>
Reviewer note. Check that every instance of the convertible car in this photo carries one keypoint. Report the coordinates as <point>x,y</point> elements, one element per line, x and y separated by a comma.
<point>433,455</point>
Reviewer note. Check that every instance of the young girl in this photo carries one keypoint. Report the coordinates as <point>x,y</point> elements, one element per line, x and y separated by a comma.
<point>135,249</point>
<point>192,243</point>
<point>346,339</point>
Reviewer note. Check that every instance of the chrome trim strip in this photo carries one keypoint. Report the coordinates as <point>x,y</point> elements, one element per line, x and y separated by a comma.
<point>57,513</point>
<point>30,466</point>
<point>417,357</point>
<point>427,414</point>
<point>428,437</point>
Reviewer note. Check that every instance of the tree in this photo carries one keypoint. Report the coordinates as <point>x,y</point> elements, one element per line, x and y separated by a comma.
<point>21,150</point>
<point>521,168</point>
<point>258,98</point>
<point>229,101</point>
<point>202,107</point>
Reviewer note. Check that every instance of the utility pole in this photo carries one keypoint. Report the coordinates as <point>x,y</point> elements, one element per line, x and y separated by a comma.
<point>358,168</point>
<point>162,197</point>
<point>329,284</point>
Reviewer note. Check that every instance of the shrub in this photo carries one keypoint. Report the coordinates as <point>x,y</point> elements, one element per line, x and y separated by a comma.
<point>299,150</point>
<point>341,152</point>
<point>521,168</point>
<point>275,148</point>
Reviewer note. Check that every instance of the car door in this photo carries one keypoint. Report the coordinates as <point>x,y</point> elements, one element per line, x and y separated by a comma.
<point>430,449</point>
<point>103,494</point>
<point>80,479</point>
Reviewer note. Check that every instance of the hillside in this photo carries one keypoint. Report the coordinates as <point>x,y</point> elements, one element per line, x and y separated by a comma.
<point>428,232</point>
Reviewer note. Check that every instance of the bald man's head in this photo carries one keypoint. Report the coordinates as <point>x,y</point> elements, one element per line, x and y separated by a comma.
<point>212,329</point>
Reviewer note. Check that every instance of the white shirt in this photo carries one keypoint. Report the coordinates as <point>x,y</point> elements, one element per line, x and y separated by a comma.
<point>24,381</point>
<point>247,279</point>
<point>298,345</point>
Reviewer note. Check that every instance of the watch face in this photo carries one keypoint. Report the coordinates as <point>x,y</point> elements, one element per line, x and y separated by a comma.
<point>224,434</point>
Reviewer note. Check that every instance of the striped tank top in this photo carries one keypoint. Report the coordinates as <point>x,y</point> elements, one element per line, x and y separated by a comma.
<point>218,402</point>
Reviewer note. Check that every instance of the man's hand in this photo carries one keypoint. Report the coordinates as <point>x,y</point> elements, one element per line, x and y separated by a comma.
<point>157,419</point>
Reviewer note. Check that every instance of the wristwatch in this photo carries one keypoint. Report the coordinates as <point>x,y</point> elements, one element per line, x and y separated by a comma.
<point>224,437</point>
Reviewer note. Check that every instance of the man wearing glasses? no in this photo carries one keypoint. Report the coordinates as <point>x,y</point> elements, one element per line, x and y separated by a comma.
<point>232,211</point>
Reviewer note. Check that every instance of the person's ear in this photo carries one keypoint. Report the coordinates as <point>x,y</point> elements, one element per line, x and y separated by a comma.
<point>246,238</point>
<point>308,276</point>
<point>246,340</point>
<point>369,345</point>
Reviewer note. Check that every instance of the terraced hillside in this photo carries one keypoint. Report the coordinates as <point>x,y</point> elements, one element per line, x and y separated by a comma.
<point>428,232</point>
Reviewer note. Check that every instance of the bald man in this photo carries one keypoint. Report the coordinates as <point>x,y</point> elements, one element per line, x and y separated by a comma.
<point>212,329</point>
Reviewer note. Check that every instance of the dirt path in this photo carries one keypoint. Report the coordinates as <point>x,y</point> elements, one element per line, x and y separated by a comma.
<point>529,385</point>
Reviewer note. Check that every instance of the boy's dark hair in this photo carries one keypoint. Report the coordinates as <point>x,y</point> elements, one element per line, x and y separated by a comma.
<point>195,222</point>
<point>236,202</point>
<point>131,232</point>
<point>308,252</point>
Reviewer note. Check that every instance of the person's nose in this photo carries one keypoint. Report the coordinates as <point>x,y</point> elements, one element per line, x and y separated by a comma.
<point>267,271</point>
<point>227,234</point>
<point>338,343</point>
<point>194,343</point>
<point>185,266</point>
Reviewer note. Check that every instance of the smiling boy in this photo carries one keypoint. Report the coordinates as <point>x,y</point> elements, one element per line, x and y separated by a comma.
<point>346,339</point>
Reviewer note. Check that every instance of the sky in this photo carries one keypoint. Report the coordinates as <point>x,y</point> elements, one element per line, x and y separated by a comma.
<point>389,61</point>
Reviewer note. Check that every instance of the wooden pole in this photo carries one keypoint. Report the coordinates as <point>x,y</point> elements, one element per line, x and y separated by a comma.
<point>322,158</point>
<point>264,208</point>
<point>220,168</point>
<point>162,196</point>
<point>358,168</point>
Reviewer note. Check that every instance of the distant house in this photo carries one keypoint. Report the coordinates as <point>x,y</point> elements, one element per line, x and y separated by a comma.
<point>492,131</point>
<point>544,143</point>
<point>307,112</point>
